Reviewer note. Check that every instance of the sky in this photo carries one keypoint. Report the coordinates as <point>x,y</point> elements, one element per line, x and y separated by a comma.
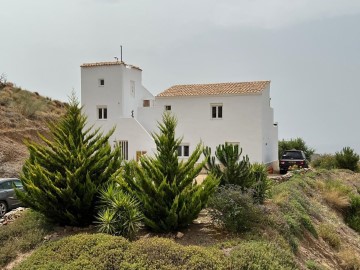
<point>309,49</point>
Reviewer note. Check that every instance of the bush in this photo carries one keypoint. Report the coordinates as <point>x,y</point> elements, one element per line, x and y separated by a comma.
<point>160,253</point>
<point>234,209</point>
<point>119,213</point>
<point>329,234</point>
<point>166,188</point>
<point>103,252</point>
<point>258,255</point>
<point>82,251</point>
<point>298,144</point>
<point>336,194</point>
<point>347,159</point>
<point>24,234</point>
<point>62,176</point>
<point>231,169</point>
<point>261,182</point>
<point>352,216</point>
<point>325,161</point>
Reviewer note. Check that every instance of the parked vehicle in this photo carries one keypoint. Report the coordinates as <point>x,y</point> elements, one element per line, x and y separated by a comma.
<point>8,198</point>
<point>292,158</point>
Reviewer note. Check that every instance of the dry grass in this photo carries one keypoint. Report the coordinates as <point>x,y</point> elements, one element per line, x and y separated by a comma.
<point>336,199</point>
<point>329,234</point>
<point>350,261</point>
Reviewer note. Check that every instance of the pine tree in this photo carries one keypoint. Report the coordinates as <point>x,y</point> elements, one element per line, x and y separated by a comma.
<point>62,176</point>
<point>230,170</point>
<point>166,187</point>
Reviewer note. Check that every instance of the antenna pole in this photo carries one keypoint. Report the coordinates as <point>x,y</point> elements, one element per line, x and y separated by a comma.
<point>121,53</point>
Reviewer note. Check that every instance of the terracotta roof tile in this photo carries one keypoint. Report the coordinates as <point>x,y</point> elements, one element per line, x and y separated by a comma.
<point>113,63</point>
<point>215,89</point>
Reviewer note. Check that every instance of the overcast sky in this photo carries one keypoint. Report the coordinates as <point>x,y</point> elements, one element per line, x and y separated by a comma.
<point>309,49</point>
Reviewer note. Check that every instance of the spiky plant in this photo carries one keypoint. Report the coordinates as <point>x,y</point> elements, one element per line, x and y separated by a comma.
<point>230,169</point>
<point>166,188</point>
<point>62,176</point>
<point>119,213</point>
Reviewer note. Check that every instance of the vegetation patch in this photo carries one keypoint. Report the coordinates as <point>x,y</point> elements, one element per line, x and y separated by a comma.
<point>352,217</point>
<point>329,234</point>
<point>23,235</point>
<point>295,208</point>
<point>101,251</point>
<point>233,209</point>
<point>259,255</point>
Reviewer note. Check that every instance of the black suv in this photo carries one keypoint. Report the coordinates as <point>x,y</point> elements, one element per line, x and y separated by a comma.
<point>292,158</point>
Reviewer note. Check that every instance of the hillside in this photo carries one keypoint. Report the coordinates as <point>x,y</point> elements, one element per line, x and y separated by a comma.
<point>22,115</point>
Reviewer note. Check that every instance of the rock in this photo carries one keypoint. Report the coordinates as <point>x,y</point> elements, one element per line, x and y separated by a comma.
<point>179,235</point>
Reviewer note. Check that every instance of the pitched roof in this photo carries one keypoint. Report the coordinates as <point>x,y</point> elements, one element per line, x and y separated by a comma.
<point>215,89</point>
<point>113,63</point>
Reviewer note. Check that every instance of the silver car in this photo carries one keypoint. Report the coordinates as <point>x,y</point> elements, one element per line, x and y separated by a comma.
<point>8,198</point>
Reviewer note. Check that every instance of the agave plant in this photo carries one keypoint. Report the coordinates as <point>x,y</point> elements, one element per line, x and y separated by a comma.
<point>119,212</point>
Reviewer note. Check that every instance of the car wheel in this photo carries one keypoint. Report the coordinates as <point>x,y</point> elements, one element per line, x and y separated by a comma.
<point>3,208</point>
<point>282,171</point>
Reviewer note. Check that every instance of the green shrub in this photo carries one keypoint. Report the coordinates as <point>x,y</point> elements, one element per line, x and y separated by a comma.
<point>347,159</point>
<point>119,213</point>
<point>160,253</point>
<point>298,144</point>
<point>103,252</point>
<point>258,255</point>
<point>22,235</point>
<point>329,234</point>
<point>261,182</point>
<point>82,251</point>
<point>234,209</point>
<point>166,188</point>
<point>230,170</point>
<point>352,217</point>
<point>325,161</point>
<point>62,175</point>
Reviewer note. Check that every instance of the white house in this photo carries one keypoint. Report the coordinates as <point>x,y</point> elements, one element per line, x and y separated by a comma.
<point>112,94</point>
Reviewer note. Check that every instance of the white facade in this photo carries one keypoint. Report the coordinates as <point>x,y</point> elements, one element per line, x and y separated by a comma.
<point>246,119</point>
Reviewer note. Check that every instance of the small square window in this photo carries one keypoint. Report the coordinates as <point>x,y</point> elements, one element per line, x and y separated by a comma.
<point>216,111</point>
<point>102,113</point>
<point>184,150</point>
<point>101,82</point>
<point>167,107</point>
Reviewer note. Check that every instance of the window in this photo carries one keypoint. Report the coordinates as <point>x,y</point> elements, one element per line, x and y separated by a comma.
<point>167,107</point>
<point>234,143</point>
<point>6,185</point>
<point>18,183</point>
<point>139,154</point>
<point>102,112</point>
<point>146,103</point>
<point>101,82</point>
<point>124,148</point>
<point>132,88</point>
<point>183,150</point>
<point>216,111</point>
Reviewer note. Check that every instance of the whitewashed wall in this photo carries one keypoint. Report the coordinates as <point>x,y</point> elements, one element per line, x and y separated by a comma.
<point>115,94</point>
<point>241,121</point>
<point>270,132</point>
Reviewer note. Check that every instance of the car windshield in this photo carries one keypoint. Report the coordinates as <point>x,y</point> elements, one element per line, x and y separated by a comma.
<point>292,155</point>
